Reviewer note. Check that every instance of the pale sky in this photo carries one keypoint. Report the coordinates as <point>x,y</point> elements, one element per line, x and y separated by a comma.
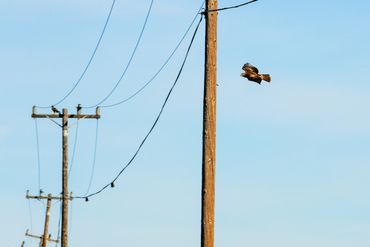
<point>293,166</point>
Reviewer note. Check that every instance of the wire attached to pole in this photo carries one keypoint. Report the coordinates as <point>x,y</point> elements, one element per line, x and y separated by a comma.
<point>161,68</point>
<point>38,155</point>
<point>94,158</point>
<point>111,184</point>
<point>30,212</point>
<point>74,148</point>
<point>227,8</point>
<point>59,225</point>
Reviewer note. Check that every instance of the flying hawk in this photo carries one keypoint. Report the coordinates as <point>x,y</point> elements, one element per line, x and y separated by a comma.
<point>251,73</point>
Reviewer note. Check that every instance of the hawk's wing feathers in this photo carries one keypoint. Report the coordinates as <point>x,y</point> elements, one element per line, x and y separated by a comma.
<point>249,67</point>
<point>252,74</point>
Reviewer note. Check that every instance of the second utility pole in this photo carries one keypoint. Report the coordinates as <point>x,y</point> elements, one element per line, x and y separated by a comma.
<point>65,196</point>
<point>209,126</point>
<point>46,237</point>
<point>46,226</point>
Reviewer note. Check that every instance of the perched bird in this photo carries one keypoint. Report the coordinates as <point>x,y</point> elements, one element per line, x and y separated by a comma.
<point>79,107</point>
<point>251,73</point>
<point>55,110</point>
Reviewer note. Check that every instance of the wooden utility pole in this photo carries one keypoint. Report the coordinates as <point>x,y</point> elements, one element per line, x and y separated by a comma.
<point>46,225</point>
<point>209,126</point>
<point>65,198</point>
<point>65,180</point>
<point>46,236</point>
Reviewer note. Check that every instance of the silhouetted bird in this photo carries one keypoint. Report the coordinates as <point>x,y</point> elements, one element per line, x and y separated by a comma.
<point>251,73</point>
<point>55,110</point>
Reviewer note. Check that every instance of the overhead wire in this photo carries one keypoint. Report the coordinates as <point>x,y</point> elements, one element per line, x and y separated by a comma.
<point>111,184</point>
<point>230,7</point>
<point>74,148</point>
<point>89,61</point>
<point>70,222</point>
<point>38,155</point>
<point>58,124</point>
<point>94,157</point>
<point>161,67</point>
<point>129,61</point>
<point>59,225</point>
<point>30,213</point>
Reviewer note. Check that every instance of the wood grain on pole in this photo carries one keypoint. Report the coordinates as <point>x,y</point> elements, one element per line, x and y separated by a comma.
<point>45,237</point>
<point>65,180</point>
<point>209,127</point>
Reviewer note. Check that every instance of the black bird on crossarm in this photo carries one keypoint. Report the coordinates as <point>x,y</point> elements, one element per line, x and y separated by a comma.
<point>55,110</point>
<point>252,74</point>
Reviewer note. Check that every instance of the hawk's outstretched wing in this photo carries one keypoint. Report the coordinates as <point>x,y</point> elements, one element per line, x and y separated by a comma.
<point>250,68</point>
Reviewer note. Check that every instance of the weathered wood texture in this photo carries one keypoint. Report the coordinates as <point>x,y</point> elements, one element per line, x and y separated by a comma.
<point>209,127</point>
<point>65,180</point>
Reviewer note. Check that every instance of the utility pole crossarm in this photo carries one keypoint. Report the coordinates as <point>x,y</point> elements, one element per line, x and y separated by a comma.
<point>32,236</point>
<point>40,237</point>
<point>46,236</point>
<point>78,115</point>
<point>41,197</point>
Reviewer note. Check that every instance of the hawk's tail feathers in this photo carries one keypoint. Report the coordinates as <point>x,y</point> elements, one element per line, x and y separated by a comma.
<point>266,77</point>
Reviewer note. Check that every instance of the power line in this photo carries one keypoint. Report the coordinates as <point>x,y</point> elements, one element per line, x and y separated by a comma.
<point>94,159</point>
<point>74,148</point>
<point>111,184</point>
<point>59,223</point>
<point>90,60</point>
<point>30,213</point>
<point>231,7</point>
<point>129,61</point>
<point>70,220</point>
<point>38,155</point>
<point>161,68</point>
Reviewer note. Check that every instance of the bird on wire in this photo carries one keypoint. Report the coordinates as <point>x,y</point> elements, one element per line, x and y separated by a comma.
<point>252,74</point>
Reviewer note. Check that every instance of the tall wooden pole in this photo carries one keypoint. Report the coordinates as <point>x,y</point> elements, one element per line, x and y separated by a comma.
<point>65,180</point>
<point>209,127</point>
<point>46,226</point>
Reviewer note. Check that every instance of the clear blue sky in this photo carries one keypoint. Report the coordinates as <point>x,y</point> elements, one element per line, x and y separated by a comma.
<point>293,165</point>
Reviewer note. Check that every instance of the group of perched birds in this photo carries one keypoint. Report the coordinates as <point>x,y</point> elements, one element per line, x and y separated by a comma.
<point>252,74</point>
